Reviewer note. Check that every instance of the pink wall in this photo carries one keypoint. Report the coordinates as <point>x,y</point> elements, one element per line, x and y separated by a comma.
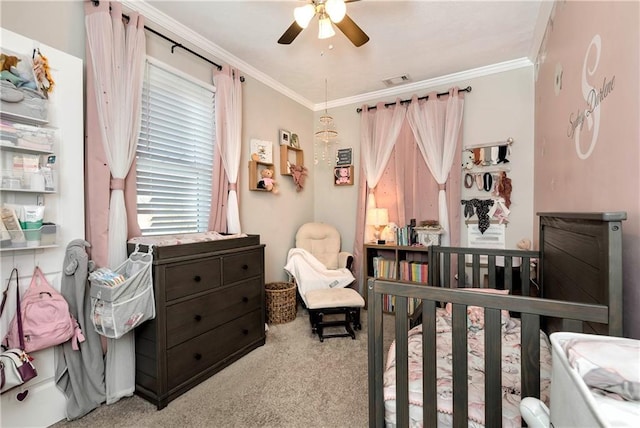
<point>587,123</point>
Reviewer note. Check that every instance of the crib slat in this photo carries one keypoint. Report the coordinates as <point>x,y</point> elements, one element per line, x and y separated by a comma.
<point>460,365</point>
<point>447,269</point>
<point>508,273</point>
<point>461,272</point>
<point>530,358</point>
<point>376,347</point>
<point>429,373</point>
<point>525,275</point>
<point>402,363</point>
<point>492,270</point>
<point>492,367</point>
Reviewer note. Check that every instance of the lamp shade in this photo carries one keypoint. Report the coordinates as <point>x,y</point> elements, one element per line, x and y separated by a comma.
<point>325,29</point>
<point>336,9</point>
<point>303,14</point>
<point>378,217</point>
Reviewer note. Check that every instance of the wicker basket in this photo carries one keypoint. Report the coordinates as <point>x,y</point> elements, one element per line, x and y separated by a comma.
<point>281,302</point>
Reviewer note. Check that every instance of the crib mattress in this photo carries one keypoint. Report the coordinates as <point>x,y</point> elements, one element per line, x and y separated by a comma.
<point>510,377</point>
<point>578,397</point>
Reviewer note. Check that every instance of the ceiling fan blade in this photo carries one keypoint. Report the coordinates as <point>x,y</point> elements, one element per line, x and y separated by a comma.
<point>352,31</point>
<point>291,33</point>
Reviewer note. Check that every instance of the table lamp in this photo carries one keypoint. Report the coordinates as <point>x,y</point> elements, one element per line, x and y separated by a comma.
<point>378,218</point>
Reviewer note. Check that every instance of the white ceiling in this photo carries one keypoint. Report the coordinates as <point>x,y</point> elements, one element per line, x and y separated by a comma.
<point>423,39</point>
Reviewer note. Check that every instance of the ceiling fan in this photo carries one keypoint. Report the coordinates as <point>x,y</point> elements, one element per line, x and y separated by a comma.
<point>329,12</point>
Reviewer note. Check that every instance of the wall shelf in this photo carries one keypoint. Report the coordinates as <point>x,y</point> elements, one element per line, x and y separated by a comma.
<point>39,247</point>
<point>285,159</point>
<point>508,142</point>
<point>481,169</point>
<point>254,174</point>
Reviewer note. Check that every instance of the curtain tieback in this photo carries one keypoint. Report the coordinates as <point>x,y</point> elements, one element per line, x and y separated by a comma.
<point>442,186</point>
<point>233,186</point>
<point>117,184</point>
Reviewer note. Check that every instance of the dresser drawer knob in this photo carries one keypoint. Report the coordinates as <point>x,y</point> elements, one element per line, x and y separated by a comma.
<point>197,356</point>
<point>197,278</point>
<point>245,331</point>
<point>197,317</point>
<point>245,267</point>
<point>245,299</point>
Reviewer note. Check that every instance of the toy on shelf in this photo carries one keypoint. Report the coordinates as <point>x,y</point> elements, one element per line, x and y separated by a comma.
<point>267,182</point>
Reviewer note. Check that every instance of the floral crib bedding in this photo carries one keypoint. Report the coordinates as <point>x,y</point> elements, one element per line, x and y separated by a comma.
<point>510,374</point>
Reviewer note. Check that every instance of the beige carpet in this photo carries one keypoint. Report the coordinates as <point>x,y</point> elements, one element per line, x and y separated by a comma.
<point>291,381</point>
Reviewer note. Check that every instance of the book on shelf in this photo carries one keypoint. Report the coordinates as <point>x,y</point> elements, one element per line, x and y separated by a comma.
<point>406,270</point>
<point>414,271</point>
<point>406,236</point>
<point>389,304</point>
<point>384,268</point>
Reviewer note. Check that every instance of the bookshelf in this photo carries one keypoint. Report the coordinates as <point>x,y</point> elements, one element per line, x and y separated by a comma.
<point>396,262</point>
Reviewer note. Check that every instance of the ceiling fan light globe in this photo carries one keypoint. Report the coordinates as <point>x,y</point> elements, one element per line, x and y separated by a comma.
<point>325,28</point>
<point>336,9</point>
<point>303,15</point>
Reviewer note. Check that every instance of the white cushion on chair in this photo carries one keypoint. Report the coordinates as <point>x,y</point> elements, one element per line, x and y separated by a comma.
<point>334,298</point>
<point>322,240</point>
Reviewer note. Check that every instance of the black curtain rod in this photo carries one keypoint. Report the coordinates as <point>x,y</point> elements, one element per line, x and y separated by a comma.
<point>175,44</point>
<point>441,94</point>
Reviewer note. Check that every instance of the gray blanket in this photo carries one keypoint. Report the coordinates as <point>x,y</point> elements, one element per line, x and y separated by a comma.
<point>79,374</point>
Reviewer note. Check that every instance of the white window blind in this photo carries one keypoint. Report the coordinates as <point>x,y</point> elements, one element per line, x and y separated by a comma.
<point>174,154</point>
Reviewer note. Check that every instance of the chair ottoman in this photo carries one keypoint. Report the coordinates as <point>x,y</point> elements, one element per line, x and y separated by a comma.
<point>326,301</point>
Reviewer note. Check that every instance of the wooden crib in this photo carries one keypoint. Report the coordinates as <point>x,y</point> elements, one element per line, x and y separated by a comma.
<point>578,288</point>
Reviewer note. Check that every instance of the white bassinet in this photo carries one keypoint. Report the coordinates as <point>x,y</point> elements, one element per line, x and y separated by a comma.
<point>573,402</point>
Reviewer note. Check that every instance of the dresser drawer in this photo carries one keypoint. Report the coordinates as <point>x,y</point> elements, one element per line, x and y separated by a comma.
<point>195,316</point>
<point>187,278</point>
<point>201,353</point>
<point>237,267</point>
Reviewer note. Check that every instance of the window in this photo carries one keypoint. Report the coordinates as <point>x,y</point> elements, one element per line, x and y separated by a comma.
<point>175,153</point>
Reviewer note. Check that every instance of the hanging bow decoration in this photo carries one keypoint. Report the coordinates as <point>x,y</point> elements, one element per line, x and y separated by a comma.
<point>298,172</point>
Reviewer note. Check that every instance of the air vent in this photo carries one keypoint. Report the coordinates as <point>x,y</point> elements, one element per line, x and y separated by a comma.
<point>399,80</point>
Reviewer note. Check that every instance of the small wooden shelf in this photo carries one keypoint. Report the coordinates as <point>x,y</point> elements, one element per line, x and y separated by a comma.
<point>285,152</point>
<point>254,173</point>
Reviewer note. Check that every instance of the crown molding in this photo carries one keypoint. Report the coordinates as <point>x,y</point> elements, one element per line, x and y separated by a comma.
<point>429,83</point>
<point>153,15</point>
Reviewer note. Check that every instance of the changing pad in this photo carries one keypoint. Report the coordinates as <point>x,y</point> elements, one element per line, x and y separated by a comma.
<point>185,238</point>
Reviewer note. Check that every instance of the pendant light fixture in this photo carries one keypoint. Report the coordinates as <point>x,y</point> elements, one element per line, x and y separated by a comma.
<point>326,135</point>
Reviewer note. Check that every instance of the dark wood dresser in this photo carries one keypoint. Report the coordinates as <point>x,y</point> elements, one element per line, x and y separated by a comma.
<point>209,313</point>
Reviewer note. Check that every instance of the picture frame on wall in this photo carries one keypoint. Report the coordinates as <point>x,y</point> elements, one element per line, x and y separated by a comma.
<point>343,157</point>
<point>262,150</point>
<point>295,141</point>
<point>343,175</point>
<point>285,137</point>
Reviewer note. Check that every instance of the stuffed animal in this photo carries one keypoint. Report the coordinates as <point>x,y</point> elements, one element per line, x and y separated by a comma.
<point>342,175</point>
<point>8,61</point>
<point>267,182</point>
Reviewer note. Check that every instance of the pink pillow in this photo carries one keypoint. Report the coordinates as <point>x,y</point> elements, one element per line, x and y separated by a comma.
<point>475,314</point>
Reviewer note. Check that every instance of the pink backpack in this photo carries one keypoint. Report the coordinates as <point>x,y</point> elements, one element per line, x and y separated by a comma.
<point>46,320</point>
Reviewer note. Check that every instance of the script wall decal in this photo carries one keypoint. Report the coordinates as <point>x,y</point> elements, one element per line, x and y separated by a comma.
<point>593,97</point>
